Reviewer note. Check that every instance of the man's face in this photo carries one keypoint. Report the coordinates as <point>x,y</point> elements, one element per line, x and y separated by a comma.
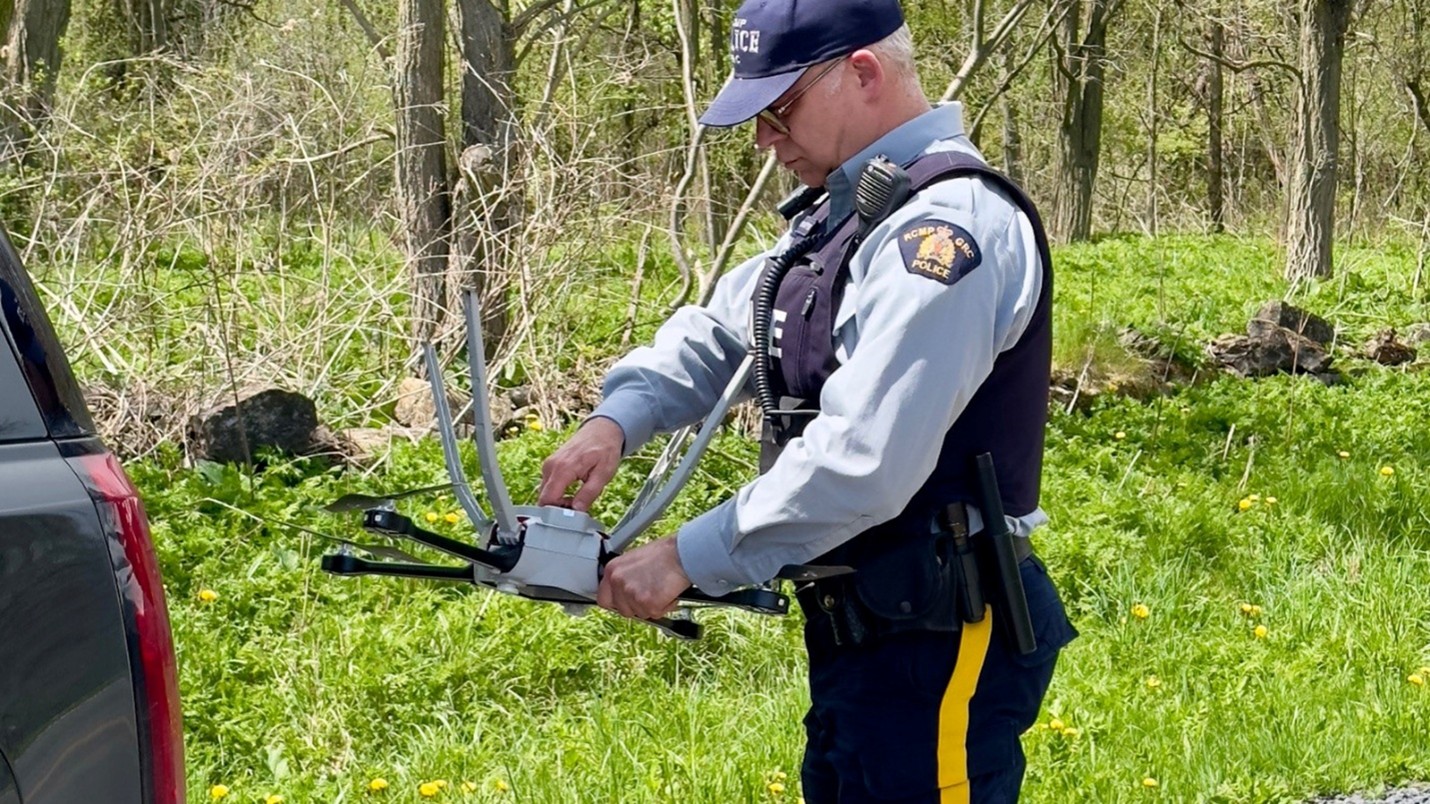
<point>804,126</point>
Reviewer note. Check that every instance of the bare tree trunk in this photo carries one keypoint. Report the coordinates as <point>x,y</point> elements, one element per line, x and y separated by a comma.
<point>31,63</point>
<point>1012,141</point>
<point>1311,196</point>
<point>1216,104</point>
<point>422,186</point>
<point>1082,68</point>
<point>147,25</point>
<point>488,208</point>
<point>1153,121</point>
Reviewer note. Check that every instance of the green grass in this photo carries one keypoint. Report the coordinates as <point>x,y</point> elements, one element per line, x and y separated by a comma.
<point>306,685</point>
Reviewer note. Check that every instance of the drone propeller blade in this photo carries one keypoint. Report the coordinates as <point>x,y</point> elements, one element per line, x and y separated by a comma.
<point>379,550</point>
<point>361,502</point>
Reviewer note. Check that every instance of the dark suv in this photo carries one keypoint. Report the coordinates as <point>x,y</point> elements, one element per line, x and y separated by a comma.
<point>89,705</point>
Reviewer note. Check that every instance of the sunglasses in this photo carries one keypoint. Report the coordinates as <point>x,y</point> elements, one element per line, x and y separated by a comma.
<point>775,115</point>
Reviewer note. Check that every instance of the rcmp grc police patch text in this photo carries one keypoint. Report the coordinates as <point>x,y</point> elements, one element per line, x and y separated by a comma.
<point>939,251</point>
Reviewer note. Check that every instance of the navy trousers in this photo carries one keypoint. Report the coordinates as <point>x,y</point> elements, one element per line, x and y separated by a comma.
<point>929,718</point>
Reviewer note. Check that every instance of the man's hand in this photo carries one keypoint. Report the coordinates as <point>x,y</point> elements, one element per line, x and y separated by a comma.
<point>590,457</point>
<point>645,582</point>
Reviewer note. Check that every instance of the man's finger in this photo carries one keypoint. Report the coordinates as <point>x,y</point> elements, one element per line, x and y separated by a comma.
<point>592,487</point>
<point>554,482</point>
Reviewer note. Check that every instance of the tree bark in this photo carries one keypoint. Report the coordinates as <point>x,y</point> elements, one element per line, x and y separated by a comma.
<point>1311,194</point>
<point>1012,139</point>
<point>488,201</point>
<point>1082,68</point>
<point>422,186</point>
<point>1216,104</point>
<point>32,58</point>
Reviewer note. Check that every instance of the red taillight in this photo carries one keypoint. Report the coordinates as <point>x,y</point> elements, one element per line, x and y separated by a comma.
<point>156,673</point>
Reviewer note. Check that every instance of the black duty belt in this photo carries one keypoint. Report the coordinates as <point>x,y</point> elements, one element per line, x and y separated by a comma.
<point>922,584</point>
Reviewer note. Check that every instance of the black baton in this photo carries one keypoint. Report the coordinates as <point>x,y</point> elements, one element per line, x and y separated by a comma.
<point>1011,596</point>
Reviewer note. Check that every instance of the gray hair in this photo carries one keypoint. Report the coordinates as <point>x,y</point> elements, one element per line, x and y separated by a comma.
<point>897,51</point>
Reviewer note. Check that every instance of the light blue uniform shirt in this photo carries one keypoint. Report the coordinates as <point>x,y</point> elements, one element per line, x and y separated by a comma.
<point>912,352</point>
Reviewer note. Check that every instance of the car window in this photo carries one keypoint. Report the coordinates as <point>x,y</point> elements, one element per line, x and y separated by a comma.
<point>42,360</point>
<point>19,418</point>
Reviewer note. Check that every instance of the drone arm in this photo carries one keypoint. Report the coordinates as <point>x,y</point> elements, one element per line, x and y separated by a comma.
<point>341,564</point>
<point>392,523</point>
<point>635,524</point>
<point>447,433</point>
<point>482,417</point>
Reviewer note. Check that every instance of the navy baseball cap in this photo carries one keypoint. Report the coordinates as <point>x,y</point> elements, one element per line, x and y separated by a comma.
<point>772,43</point>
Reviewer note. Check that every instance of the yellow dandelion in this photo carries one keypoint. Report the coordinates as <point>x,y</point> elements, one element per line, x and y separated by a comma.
<point>1056,724</point>
<point>1071,732</point>
<point>1416,679</point>
<point>377,785</point>
<point>431,516</point>
<point>273,799</point>
<point>1141,612</point>
<point>218,791</point>
<point>1343,454</point>
<point>1149,782</point>
<point>779,776</point>
<point>469,787</point>
<point>1255,611</point>
<point>1153,682</point>
<point>1243,505</point>
<point>1260,632</point>
<point>501,785</point>
<point>1424,671</point>
<point>1119,435</point>
<point>208,596</point>
<point>1246,608</point>
<point>1387,471</point>
<point>1270,500</point>
<point>451,518</point>
<point>777,787</point>
<point>1254,497</point>
<point>428,789</point>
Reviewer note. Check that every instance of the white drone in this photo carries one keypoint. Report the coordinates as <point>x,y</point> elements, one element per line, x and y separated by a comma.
<point>544,553</point>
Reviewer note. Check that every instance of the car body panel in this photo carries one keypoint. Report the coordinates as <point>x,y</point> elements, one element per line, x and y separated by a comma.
<point>8,793</point>
<point>68,723</point>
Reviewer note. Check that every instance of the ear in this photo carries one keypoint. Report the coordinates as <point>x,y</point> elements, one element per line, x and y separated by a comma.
<point>869,71</point>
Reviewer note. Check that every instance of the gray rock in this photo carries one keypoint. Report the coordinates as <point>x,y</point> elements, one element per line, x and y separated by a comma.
<point>1387,351</point>
<point>415,408</point>
<point>1405,795</point>
<point>1278,314</point>
<point>233,432</point>
<point>1274,350</point>
<point>1417,334</point>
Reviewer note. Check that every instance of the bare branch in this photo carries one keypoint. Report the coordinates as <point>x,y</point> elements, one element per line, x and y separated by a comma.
<point>366,25</point>
<point>1238,66</point>
<point>981,48</point>
<point>707,281</point>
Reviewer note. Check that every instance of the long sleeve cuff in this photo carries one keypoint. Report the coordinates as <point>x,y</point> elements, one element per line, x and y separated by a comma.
<point>631,411</point>
<point>704,547</point>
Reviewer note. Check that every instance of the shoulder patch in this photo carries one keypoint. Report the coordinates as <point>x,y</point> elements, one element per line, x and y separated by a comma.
<point>939,251</point>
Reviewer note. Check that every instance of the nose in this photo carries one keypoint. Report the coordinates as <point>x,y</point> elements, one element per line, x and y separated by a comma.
<point>766,135</point>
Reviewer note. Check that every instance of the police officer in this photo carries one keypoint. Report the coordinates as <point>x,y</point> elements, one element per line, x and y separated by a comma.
<point>897,345</point>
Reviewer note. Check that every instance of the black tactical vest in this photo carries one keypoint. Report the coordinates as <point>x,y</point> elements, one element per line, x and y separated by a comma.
<point>1006,416</point>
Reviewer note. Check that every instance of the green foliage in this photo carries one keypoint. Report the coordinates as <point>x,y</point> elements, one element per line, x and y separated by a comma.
<point>1199,505</point>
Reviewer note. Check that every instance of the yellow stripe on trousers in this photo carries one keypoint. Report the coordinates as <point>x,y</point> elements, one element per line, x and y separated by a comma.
<point>953,711</point>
